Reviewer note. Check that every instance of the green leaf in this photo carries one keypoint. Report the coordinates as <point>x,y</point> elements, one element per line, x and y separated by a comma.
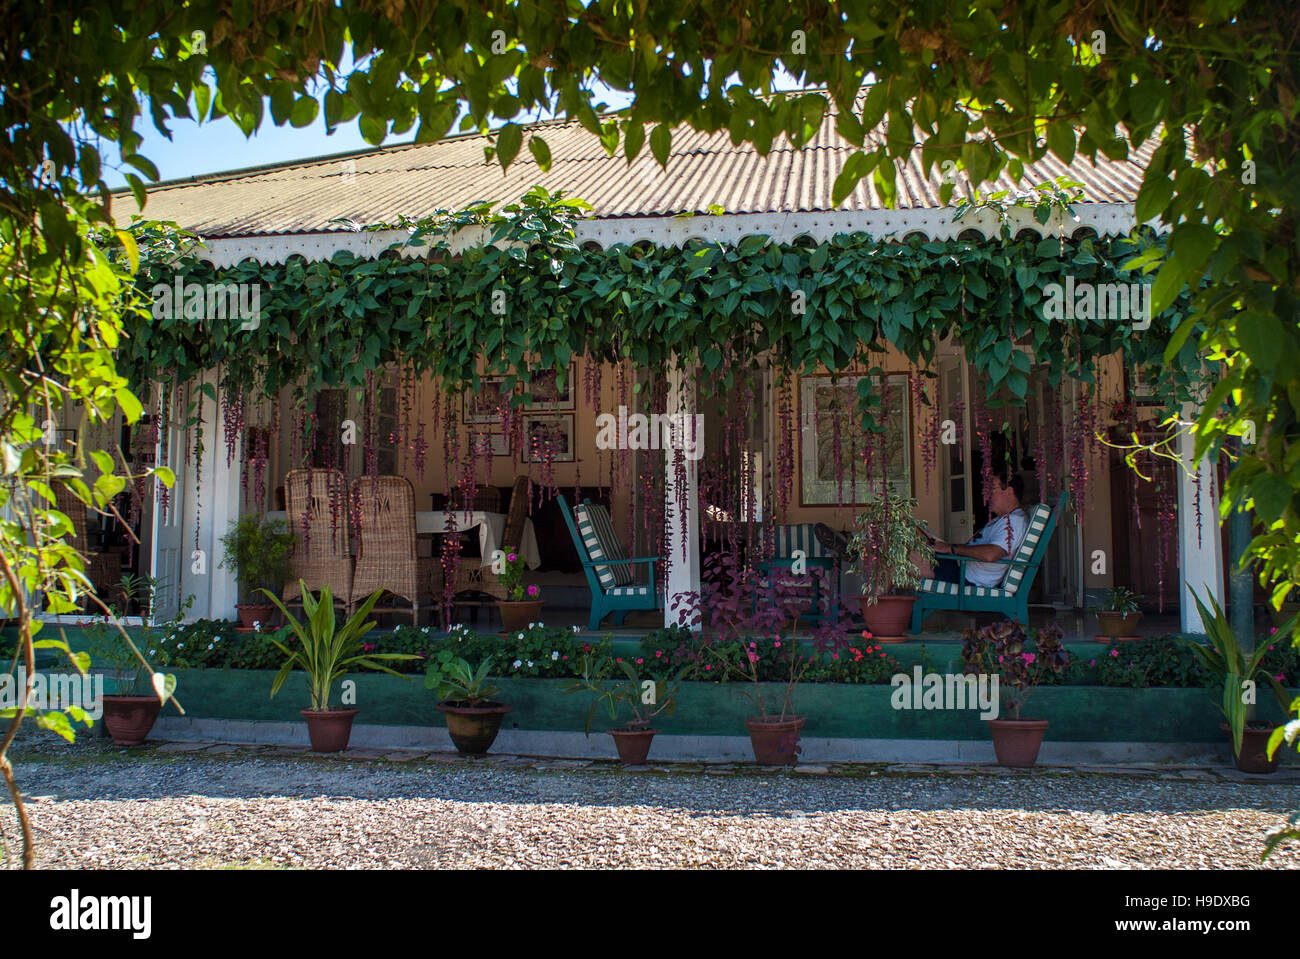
<point>661,142</point>
<point>509,139</point>
<point>131,408</point>
<point>540,151</point>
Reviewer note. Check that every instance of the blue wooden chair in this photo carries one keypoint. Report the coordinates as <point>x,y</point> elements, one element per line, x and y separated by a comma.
<point>1011,598</point>
<point>610,574</point>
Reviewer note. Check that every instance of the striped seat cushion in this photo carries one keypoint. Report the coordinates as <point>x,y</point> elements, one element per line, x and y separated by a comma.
<point>797,536</point>
<point>1038,518</point>
<point>950,589</point>
<point>629,591</point>
<point>601,542</point>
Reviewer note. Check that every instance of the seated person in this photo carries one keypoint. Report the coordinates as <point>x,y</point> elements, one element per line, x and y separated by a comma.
<point>999,539</point>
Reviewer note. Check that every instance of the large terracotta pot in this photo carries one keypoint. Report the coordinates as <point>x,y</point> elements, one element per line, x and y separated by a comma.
<point>329,729</point>
<point>473,728</point>
<point>633,745</point>
<point>517,614</point>
<point>775,740</point>
<point>1016,741</point>
<point>889,618</point>
<point>129,719</point>
<point>1115,625</point>
<point>1254,747</point>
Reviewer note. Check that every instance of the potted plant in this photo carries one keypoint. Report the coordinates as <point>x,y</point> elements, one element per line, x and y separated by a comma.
<point>257,553</point>
<point>1224,658</point>
<point>645,698</point>
<point>773,734</point>
<point>524,606</point>
<point>326,653</point>
<point>473,716</point>
<point>139,692</point>
<point>1000,650</point>
<point>888,538</point>
<point>1118,615</point>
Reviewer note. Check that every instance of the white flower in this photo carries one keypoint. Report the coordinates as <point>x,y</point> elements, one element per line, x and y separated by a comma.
<point>521,635</point>
<point>426,629</point>
<point>257,627</point>
<point>532,625</point>
<point>209,645</point>
<point>396,628</point>
<point>530,664</point>
<point>577,629</point>
<point>518,663</point>
<point>555,654</point>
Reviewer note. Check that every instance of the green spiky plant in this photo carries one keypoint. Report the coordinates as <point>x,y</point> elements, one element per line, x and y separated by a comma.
<point>1223,657</point>
<point>328,653</point>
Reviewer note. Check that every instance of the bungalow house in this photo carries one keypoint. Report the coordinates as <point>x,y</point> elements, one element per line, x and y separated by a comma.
<point>785,447</point>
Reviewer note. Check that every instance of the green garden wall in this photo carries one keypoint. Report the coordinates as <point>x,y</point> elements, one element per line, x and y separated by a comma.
<point>1077,713</point>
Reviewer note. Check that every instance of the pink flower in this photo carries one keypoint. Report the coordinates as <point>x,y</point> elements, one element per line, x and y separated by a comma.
<point>1092,662</point>
<point>835,655</point>
<point>658,653</point>
<point>511,557</point>
<point>640,660</point>
<point>1279,678</point>
<point>1270,649</point>
<point>533,590</point>
<point>1028,657</point>
<point>1271,631</point>
<point>778,644</point>
<point>1114,652</point>
<point>707,668</point>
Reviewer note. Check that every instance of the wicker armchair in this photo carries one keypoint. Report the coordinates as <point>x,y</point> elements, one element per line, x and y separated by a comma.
<point>318,517</point>
<point>104,570</point>
<point>386,557</point>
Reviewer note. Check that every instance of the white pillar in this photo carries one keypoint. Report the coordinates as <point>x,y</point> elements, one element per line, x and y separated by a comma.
<point>1200,558</point>
<point>683,572</point>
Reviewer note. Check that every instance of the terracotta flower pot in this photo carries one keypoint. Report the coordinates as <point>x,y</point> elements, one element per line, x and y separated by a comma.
<point>775,740</point>
<point>1115,625</point>
<point>1016,741</point>
<point>1254,747</point>
<point>329,729</point>
<point>517,614</point>
<point>473,728</point>
<point>633,745</point>
<point>129,719</point>
<point>889,618</point>
<point>250,613</point>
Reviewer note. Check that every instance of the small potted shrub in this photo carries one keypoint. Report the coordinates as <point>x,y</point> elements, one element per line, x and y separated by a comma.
<point>1000,650</point>
<point>139,692</point>
<point>258,554</point>
<point>524,606</point>
<point>1223,657</point>
<point>325,654</point>
<point>1118,615</point>
<point>881,551</point>
<point>473,716</point>
<point>644,698</point>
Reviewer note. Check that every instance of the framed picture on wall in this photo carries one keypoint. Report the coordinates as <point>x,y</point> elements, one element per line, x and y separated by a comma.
<point>548,437</point>
<point>829,417</point>
<point>498,444</point>
<point>546,392</point>
<point>483,406</point>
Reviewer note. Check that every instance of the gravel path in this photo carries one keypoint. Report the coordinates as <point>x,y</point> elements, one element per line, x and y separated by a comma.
<point>160,809</point>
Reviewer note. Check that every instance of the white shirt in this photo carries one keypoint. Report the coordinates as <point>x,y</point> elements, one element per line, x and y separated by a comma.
<point>1005,531</point>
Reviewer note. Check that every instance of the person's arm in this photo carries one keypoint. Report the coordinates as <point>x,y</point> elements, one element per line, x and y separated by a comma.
<point>985,553</point>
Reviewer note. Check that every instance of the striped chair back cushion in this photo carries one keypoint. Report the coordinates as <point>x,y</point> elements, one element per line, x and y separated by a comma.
<point>797,536</point>
<point>1037,523</point>
<point>601,542</point>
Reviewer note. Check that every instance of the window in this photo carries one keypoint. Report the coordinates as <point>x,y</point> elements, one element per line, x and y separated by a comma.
<point>825,401</point>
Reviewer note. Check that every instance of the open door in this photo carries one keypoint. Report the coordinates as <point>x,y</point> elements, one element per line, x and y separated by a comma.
<point>166,533</point>
<point>955,459</point>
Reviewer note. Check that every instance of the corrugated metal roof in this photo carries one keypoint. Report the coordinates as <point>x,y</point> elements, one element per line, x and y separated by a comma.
<point>704,170</point>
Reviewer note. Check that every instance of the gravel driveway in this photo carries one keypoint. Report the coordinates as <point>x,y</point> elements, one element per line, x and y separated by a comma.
<point>270,808</point>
